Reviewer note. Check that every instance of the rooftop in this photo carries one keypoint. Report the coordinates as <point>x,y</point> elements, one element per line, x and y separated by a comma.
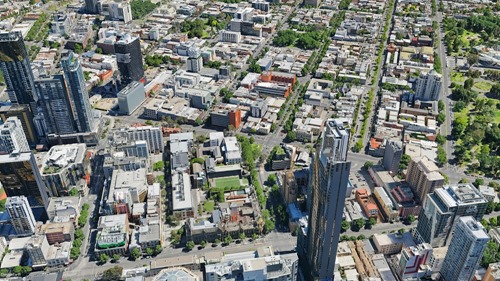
<point>176,274</point>
<point>62,156</point>
<point>474,227</point>
<point>181,191</point>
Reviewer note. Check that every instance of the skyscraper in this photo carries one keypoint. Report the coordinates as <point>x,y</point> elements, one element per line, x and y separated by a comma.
<point>129,59</point>
<point>21,216</point>
<point>12,137</point>
<point>330,176</point>
<point>466,250</point>
<point>78,95</point>
<point>428,86</point>
<point>20,175</point>
<point>24,114</point>
<point>392,156</point>
<point>55,104</point>
<point>443,208</point>
<point>16,68</point>
<point>423,176</point>
<point>92,6</point>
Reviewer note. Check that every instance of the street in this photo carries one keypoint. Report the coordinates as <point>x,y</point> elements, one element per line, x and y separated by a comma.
<point>281,242</point>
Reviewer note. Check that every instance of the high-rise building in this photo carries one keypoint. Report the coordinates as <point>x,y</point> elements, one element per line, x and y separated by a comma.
<point>12,138</point>
<point>16,68</point>
<point>465,251</point>
<point>194,64</point>
<point>129,59</point>
<point>78,95</point>
<point>130,97</point>
<point>442,209</point>
<point>423,176</point>
<point>55,105</point>
<point>392,156</point>
<point>92,6</point>
<point>21,216</point>
<point>20,176</point>
<point>428,86</point>
<point>24,114</point>
<point>120,11</point>
<point>314,3</point>
<point>330,177</point>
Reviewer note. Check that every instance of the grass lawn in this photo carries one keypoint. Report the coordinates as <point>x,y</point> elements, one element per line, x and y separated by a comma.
<point>245,180</point>
<point>457,77</point>
<point>228,182</point>
<point>208,206</point>
<point>483,86</point>
<point>468,36</point>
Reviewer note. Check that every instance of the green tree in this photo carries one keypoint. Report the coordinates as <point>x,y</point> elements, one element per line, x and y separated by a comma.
<point>255,236</point>
<point>159,166</point>
<point>228,239</point>
<point>113,274</point>
<point>441,156</point>
<point>440,139</point>
<point>116,257</point>
<point>135,253</point>
<point>17,270</point>
<point>478,182</point>
<point>410,219</point>
<point>358,224</point>
<point>78,48</point>
<point>158,249</point>
<point>493,221</point>
<point>405,160</point>
<point>4,272</point>
<point>149,251</point>
<point>358,146</point>
<point>345,226</point>
<point>74,192</point>
<point>190,245</point>
<point>203,243</point>
<point>469,83</point>
<point>242,236</point>
<point>401,231</point>
<point>368,164</point>
<point>441,117</point>
<point>103,258</point>
<point>271,180</point>
<point>269,226</point>
<point>140,8</point>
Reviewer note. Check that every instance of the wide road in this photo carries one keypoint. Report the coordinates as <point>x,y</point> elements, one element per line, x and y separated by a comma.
<point>281,242</point>
<point>445,91</point>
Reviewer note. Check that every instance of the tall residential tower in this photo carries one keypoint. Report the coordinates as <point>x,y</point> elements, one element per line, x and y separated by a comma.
<point>465,251</point>
<point>12,137</point>
<point>443,208</point>
<point>78,95</point>
<point>330,177</point>
<point>16,68</point>
<point>129,59</point>
<point>21,216</point>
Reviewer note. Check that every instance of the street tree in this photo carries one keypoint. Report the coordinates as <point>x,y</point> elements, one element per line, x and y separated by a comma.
<point>345,226</point>
<point>190,245</point>
<point>113,274</point>
<point>135,253</point>
<point>103,258</point>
